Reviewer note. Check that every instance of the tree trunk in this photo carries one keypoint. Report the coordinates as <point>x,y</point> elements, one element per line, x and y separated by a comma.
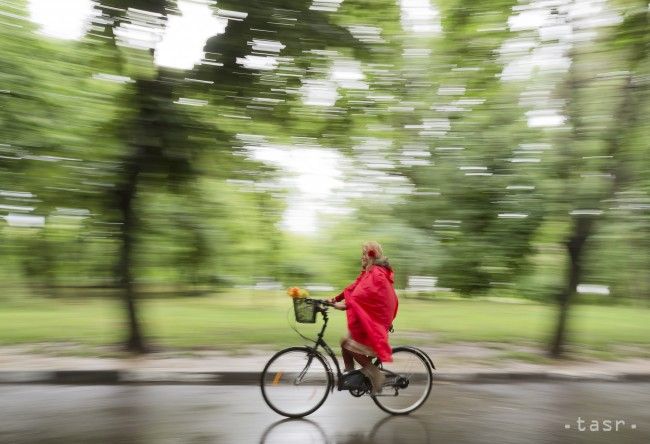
<point>146,141</point>
<point>126,194</point>
<point>582,228</point>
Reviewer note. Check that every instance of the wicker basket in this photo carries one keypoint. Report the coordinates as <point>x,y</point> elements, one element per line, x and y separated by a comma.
<point>305,310</point>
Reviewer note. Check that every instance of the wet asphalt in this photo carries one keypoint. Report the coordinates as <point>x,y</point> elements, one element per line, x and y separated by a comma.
<point>454,413</point>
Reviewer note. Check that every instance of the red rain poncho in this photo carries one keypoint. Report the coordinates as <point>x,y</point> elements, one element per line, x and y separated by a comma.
<point>371,307</point>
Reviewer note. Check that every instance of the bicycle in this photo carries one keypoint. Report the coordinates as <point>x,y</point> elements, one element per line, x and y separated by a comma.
<point>296,381</point>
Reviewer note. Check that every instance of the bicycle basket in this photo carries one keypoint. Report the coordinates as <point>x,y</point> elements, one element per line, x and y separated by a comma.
<point>305,311</point>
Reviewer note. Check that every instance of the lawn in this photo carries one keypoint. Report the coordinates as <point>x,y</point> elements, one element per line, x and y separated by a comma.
<point>241,319</point>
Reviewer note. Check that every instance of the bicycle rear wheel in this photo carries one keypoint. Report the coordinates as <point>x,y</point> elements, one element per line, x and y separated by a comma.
<point>408,382</point>
<point>295,382</point>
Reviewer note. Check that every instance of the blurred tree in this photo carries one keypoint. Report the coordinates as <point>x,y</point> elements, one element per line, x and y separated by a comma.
<point>158,134</point>
<point>47,188</point>
<point>629,44</point>
<point>460,143</point>
<point>104,153</point>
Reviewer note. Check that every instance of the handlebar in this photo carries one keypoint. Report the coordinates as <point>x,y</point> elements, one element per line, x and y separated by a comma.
<point>322,302</point>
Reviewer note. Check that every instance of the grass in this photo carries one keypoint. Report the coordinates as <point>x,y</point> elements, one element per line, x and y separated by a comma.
<point>242,319</point>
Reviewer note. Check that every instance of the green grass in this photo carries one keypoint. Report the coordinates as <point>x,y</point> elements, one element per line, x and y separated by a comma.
<point>245,319</point>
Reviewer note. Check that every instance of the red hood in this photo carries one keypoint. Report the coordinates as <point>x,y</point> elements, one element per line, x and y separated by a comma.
<point>385,271</point>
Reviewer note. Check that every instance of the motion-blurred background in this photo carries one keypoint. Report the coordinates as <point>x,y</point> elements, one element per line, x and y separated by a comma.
<point>167,169</point>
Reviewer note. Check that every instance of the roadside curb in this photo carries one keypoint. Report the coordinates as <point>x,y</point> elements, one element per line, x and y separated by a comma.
<point>107,377</point>
<point>549,376</point>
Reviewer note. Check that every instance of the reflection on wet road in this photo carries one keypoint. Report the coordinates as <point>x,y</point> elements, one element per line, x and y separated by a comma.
<point>514,413</point>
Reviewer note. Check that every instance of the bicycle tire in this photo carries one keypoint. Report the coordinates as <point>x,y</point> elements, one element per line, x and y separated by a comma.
<point>278,383</point>
<point>401,355</point>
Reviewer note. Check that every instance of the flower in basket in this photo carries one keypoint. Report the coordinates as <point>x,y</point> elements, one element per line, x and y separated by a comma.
<point>297,292</point>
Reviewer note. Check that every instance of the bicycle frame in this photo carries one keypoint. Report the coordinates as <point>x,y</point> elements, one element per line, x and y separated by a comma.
<point>328,350</point>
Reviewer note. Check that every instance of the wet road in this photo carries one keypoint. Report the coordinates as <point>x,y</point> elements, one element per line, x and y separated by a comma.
<point>503,413</point>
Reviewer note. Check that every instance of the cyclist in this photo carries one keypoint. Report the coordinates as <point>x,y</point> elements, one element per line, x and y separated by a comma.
<point>371,306</point>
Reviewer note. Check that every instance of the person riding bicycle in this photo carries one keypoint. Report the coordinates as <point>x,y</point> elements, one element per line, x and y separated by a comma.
<point>371,306</point>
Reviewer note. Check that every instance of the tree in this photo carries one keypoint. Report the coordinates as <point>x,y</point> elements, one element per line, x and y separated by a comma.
<point>469,126</point>
<point>156,133</point>
<point>630,40</point>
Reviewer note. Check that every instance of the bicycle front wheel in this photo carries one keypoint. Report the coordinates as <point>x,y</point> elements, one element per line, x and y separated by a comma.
<point>295,382</point>
<point>408,382</point>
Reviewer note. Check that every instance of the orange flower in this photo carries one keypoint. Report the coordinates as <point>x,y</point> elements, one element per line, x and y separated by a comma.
<point>297,292</point>
<point>294,292</point>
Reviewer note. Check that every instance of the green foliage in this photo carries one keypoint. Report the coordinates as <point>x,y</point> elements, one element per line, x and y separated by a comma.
<point>430,140</point>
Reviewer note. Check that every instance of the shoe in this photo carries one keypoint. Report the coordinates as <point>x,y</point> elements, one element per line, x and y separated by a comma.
<point>352,380</point>
<point>376,376</point>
